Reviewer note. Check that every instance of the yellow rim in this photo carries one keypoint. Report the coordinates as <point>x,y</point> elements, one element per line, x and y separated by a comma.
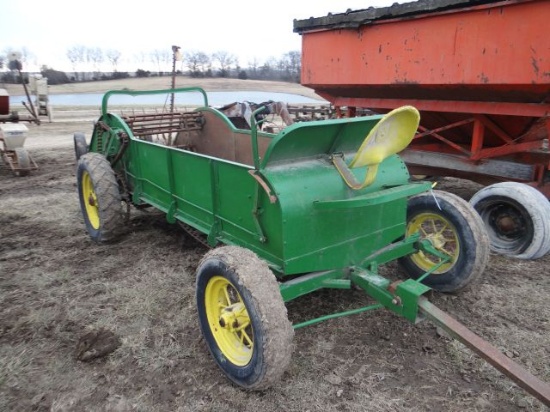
<point>229,321</point>
<point>90,200</point>
<point>443,236</point>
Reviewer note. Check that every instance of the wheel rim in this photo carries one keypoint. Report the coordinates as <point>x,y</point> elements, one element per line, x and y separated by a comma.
<point>508,225</point>
<point>90,200</point>
<point>443,236</point>
<point>229,321</point>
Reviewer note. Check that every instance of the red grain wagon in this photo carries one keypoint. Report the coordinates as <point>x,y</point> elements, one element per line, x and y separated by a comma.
<point>479,72</point>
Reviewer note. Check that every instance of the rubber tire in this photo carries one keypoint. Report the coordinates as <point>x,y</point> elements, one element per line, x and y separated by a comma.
<point>23,161</point>
<point>533,210</point>
<point>106,188</point>
<point>259,291</point>
<point>472,238</point>
<point>80,145</point>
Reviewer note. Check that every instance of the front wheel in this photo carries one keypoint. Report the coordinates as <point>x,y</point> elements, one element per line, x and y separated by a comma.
<point>100,199</point>
<point>243,317</point>
<point>517,218</point>
<point>454,229</point>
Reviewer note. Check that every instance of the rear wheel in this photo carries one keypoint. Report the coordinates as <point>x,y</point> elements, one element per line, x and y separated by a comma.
<point>454,229</point>
<point>80,145</point>
<point>517,218</point>
<point>243,317</point>
<point>100,199</point>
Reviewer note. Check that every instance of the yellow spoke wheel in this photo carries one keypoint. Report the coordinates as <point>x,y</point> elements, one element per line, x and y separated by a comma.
<point>229,321</point>
<point>90,200</point>
<point>242,317</point>
<point>443,236</point>
<point>453,228</point>
<point>100,200</point>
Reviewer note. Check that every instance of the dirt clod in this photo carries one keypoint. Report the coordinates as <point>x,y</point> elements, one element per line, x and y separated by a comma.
<point>96,344</point>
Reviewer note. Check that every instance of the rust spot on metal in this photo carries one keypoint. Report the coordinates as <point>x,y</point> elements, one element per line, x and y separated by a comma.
<point>535,65</point>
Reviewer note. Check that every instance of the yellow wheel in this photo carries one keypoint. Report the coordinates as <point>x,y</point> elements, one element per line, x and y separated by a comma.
<point>99,195</point>
<point>90,200</point>
<point>454,228</point>
<point>443,237</point>
<point>243,317</point>
<point>229,321</point>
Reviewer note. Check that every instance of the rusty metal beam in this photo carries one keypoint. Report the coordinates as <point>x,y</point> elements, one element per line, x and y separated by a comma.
<point>523,378</point>
<point>427,132</point>
<point>540,145</point>
<point>449,106</point>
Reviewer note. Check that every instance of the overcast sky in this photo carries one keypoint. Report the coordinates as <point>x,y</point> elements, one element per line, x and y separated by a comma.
<point>245,28</point>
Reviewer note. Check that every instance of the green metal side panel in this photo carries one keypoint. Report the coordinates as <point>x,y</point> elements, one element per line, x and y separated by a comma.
<point>215,196</point>
<point>154,177</point>
<point>192,189</point>
<point>237,193</point>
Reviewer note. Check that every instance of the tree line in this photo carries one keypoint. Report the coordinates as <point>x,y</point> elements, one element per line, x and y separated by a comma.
<point>105,63</point>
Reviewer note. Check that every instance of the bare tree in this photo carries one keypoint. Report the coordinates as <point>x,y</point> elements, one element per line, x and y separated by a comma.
<point>224,60</point>
<point>26,55</point>
<point>197,63</point>
<point>290,65</point>
<point>113,56</point>
<point>268,69</point>
<point>141,57</point>
<point>94,56</point>
<point>76,55</point>
<point>253,66</point>
<point>161,57</point>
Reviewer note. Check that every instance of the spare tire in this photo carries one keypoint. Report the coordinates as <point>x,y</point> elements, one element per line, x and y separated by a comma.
<point>517,219</point>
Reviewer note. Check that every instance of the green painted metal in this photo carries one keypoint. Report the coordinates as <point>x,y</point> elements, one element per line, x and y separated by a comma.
<point>404,301</point>
<point>337,315</point>
<point>107,96</point>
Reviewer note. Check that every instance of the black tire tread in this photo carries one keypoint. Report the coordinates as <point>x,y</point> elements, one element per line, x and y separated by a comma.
<point>257,278</point>
<point>111,216</point>
<point>80,145</point>
<point>476,259</point>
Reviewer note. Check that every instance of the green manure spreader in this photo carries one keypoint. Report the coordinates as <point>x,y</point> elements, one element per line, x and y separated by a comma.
<point>320,204</point>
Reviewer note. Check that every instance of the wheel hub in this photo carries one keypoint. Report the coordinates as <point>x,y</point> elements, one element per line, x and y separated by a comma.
<point>507,224</point>
<point>437,240</point>
<point>234,318</point>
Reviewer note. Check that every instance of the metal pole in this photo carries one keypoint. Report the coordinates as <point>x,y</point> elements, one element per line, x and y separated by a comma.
<point>175,50</point>
<point>524,379</point>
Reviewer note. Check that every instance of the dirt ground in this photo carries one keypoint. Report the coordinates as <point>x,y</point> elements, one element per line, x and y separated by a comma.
<point>58,287</point>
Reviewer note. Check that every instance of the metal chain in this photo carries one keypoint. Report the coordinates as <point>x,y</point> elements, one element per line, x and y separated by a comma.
<point>195,234</point>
